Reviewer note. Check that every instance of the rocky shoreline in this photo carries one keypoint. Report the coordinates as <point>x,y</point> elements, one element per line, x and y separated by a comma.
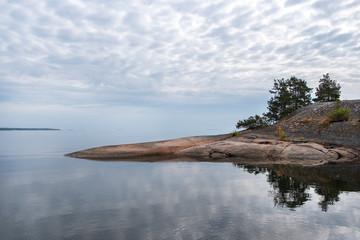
<point>249,149</point>
<point>311,140</point>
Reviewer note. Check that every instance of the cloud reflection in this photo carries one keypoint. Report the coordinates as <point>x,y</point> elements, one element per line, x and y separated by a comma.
<point>88,199</point>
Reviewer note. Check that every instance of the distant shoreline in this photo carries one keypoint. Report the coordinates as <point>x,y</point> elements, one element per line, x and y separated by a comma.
<point>29,129</point>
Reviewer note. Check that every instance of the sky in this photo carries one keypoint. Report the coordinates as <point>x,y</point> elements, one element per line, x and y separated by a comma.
<point>181,67</point>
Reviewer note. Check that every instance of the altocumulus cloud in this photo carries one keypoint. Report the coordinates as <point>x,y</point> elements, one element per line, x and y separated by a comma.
<point>147,53</point>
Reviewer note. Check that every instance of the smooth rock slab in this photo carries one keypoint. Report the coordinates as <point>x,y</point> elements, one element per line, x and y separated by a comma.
<point>221,148</point>
<point>250,152</point>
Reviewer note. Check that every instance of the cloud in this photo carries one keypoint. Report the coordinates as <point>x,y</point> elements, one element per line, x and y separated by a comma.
<point>166,51</point>
<point>294,2</point>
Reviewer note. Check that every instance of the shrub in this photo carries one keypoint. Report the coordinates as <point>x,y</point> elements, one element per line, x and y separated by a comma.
<point>280,133</point>
<point>234,134</point>
<point>252,122</point>
<point>325,122</point>
<point>339,114</point>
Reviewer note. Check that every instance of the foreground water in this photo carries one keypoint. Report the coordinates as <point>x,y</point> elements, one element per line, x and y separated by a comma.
<point>44,195</point>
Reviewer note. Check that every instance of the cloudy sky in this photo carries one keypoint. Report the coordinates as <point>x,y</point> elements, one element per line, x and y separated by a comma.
<point>184,66</point>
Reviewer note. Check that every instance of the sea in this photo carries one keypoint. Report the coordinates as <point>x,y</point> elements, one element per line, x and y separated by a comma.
<point>45,195</point>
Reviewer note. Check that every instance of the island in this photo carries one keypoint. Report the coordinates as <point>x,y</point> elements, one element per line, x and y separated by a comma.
<point>29,129</point>
<point>311,140</point>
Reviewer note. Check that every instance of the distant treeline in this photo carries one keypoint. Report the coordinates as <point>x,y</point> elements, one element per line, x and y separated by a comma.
<point>29,129</point>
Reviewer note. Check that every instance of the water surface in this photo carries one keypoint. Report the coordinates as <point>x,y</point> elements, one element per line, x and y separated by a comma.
<point>44,195</point>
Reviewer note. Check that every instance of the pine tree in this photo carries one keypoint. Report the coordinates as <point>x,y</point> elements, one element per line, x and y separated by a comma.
<point>252,122</point>
<point>289,95</point>
<point>300,93</point>
<point>328,90</point>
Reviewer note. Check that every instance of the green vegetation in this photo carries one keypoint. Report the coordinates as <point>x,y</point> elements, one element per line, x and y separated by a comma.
<point>280,133</point>
<point>339,114</point>
<point>328,90</point>
<point>234,134</point>
<point>252,122</point>
<point>289,95</point>
<point>292,94</point>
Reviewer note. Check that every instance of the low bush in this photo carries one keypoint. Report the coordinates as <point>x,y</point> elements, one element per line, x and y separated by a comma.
<point>252,122</point>
<point>234,134</point>
<point>339,114</point>
<point>280,133</point>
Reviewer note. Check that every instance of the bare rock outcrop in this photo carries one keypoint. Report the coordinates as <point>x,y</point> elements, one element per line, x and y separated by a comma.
<point>148,150</point>
<point>220,148</point>
<point>265,151</point>
<point>311,123</point>
<point>311,140</point>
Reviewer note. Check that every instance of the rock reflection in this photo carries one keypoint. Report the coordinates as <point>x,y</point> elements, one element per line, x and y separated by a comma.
<point>291,184</point>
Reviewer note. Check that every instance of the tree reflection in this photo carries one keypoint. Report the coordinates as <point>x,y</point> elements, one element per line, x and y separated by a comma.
<point>329,197</point>
<point>291,184</point>
<point>287,192</point>
<point>252,169</point>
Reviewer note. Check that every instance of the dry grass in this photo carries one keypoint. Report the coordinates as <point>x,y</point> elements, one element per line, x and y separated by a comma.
<point>306,120</point>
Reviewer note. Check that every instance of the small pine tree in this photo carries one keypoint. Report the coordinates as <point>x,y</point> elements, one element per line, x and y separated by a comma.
<point>328,90</point>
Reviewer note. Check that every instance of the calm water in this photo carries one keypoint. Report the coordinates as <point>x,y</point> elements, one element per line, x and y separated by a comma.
<point>44,195</point>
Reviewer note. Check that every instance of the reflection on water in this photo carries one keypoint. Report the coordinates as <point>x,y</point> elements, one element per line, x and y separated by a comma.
<point>44,195</point>
<point>287,192</point>
<point>291,184</point>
